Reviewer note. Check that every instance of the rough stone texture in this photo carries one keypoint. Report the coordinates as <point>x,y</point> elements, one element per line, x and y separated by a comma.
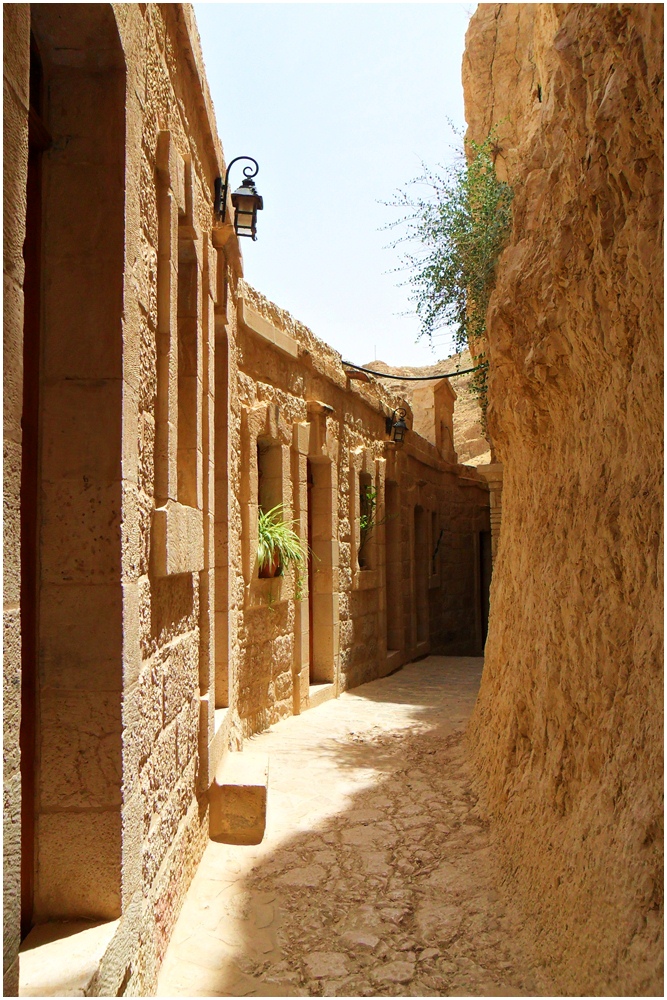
<point>125,661</point>
<point>16,26</point>
<point>376,876</point>
<point>156,373</point>
<point>237,799</point>
<point>407,599</point>
<point>567,732</point>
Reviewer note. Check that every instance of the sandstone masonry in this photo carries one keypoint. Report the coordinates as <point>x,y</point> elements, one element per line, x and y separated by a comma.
<point>153,403</point>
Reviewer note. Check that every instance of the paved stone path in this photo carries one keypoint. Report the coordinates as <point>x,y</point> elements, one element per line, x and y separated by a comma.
<point>375,876</point>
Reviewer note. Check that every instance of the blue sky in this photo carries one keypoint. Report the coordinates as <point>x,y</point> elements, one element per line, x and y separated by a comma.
<point>339,104</point>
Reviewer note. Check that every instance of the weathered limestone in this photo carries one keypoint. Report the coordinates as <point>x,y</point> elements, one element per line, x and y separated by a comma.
<point>237,799</point>
<point>315,441</point>
<point>469,442</point>
<point>115,564</point>
<point>153,404</point>
<point>567,732</point>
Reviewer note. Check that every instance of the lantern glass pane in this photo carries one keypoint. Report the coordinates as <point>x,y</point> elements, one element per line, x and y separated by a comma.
<point>244,222</point>
<point>244,202</point>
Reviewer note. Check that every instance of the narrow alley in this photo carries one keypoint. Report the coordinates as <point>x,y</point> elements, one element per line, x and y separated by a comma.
<point>376,874</point>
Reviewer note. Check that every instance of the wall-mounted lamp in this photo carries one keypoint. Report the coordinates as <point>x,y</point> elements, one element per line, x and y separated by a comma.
<point>396,428</point>
<point>246,201</point>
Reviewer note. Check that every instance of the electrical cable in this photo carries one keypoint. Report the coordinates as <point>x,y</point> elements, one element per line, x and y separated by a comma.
<point>410,378</point>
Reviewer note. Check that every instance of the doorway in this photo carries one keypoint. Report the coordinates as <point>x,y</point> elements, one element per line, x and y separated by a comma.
<point>320,573</point>
<point>71,495</point>
<point>421,564</point>
<point>394,572</point>
<point>38,142</point>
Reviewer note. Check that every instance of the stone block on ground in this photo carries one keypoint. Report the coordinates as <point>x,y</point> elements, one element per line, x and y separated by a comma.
<point>238,799</point>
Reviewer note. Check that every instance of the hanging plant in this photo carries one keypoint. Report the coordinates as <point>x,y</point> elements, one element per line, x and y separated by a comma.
<point>278,545</point>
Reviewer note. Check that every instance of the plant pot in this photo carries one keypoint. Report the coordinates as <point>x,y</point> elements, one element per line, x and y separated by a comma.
<point>271,569</point>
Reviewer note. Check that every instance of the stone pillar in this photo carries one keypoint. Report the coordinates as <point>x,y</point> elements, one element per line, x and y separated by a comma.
<point>301,665</point>
<point>494,477</point>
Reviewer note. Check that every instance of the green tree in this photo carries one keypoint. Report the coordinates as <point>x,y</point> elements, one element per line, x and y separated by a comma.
<point>461,228</point>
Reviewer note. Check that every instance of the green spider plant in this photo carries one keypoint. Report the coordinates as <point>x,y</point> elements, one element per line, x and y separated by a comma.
<point>278,544</point>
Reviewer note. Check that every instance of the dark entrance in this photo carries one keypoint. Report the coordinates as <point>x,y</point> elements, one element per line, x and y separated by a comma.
<point>485,567</point>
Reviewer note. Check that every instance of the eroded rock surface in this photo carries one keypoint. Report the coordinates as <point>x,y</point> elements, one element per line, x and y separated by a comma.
<point>567,733</point>
<point>376,876</point>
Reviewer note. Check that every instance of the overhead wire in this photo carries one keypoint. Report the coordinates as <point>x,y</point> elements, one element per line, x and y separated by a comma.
<point>411,378</point>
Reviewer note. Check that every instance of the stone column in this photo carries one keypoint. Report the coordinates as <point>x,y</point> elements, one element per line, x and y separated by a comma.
<point>301,665</point>
<point>494,477</point>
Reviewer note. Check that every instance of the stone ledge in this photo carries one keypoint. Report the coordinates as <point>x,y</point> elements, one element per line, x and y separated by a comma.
<point>63,959</point>
<point>264,592</point>
<point>393,662</point>
<point>366,579</point>
<point>319,693</point>
<point>267,331</point>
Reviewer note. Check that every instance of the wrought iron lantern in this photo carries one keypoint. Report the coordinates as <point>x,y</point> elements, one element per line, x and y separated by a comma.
<point>396,428</point>
<point>246,200</point>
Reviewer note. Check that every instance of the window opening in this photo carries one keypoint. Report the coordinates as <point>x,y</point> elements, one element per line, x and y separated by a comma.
<point>187,373</point>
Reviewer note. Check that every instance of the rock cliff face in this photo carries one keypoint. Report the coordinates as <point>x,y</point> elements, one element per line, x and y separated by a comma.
<point>567,731</point>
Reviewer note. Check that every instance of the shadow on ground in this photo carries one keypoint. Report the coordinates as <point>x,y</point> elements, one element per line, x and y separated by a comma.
<point>376,877</point>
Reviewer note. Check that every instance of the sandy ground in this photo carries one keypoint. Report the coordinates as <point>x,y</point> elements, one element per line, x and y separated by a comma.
<point>376,876</point>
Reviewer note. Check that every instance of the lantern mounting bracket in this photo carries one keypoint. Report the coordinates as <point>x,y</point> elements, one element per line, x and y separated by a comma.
<point>396,428</point>
<point>222,189</point>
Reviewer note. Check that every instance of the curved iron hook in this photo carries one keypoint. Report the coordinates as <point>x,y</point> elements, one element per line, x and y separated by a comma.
<point>221,189</point>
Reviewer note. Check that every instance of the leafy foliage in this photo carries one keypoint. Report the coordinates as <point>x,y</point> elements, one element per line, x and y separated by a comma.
<point>461,228</point>
<point>276,537</point>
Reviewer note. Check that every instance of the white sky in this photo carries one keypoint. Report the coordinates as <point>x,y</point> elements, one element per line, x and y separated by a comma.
<point>339,104</point>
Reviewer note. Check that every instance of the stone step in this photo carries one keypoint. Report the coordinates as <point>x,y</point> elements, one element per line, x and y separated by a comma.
<point>319,693</point>
<point>237,799</point>
<point>63,958</point>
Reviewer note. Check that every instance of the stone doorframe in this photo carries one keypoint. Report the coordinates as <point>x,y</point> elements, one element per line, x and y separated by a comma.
<point>83,385</point>
<point>315,444</point>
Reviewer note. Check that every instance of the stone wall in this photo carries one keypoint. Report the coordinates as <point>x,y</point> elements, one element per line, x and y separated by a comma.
<point>16,28</point>
<point>469,443</point>
<point>567,732</point>
<point>403,599</point>
<point>117,407</point>
<point>149,646</point>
